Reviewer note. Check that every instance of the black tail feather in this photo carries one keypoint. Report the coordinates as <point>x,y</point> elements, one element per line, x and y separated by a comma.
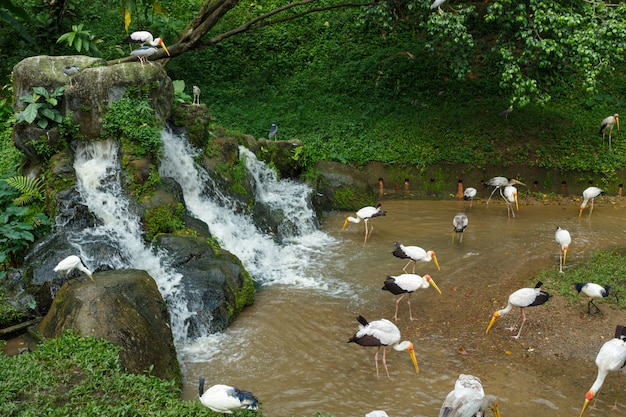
<point>362,320</point>
<point>620,332</point>
<point>201,387</point>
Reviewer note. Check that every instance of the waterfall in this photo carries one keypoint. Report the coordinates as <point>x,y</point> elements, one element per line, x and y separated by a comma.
<point>293,261</point>
<point>98,180</point>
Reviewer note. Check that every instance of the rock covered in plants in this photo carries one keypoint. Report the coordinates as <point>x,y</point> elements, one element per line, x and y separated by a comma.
<point>124,307</point>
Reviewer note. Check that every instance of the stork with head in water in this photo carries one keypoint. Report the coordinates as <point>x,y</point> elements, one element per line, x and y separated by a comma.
<point>365,214</point>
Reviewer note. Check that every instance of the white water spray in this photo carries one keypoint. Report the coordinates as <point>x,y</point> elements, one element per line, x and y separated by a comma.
<point>292,262</point>
<point>97,171</point>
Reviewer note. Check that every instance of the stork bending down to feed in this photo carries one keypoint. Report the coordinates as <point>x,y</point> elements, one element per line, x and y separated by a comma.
<point>382,333</point>
<point>563,239</point>
<point>71,263</point>
<point>407,284</point>
<point>594,292</point>
<point>225,399</point>
<point>414,254</point>
<point>500,183</point>
<point>522,298</point>
<point>610,358</point>
<point>589,193</point>
<point>469,194</point>
<point>510,197</point>
<point>459,224</point>
<point>365,214</point>
<point>468,398</point>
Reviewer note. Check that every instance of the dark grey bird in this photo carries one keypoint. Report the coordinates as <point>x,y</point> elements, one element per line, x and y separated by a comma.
<point>273,131</point>
<point>225,399</point>
<point>607,124</point>
<point>70,71</point>
<point>500,183</point>
<point>594,292</point>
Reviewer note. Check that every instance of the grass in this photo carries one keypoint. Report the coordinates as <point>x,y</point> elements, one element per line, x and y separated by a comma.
<point>602,268</point>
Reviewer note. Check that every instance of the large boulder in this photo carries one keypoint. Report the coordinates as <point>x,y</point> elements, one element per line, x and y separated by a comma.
<point>124,307</point>
<point>342,187</point>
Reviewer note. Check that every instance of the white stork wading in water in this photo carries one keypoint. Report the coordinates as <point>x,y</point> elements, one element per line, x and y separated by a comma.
<point>382,333</point>
<point>522,298</point>
<point>589,193</point>
<point>563,239</point>
<point>607,124</point>
<point>610,358</point>
<point>407,284</point>
<point>499,183</point>
<point>510,197</point>
<point>594,292</point>
<point>365,214</point>
<point>71,263</point>
<point>469,194</point>
<point>468,399</point>
<point>414,254</point>
<point>459,224</point>
<point>226,399</point>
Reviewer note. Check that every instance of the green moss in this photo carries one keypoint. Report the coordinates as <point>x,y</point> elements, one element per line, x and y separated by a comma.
<point>245,296</point>
<point>9,315</point>
<point>351,198</point>
<point>167,218</point>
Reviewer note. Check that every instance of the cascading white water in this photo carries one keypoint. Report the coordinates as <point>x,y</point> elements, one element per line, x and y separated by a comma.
<point>292,262</point>
<point>98,175</point>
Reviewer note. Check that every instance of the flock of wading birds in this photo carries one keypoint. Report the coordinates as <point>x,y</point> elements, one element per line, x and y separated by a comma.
<point>468,398</point>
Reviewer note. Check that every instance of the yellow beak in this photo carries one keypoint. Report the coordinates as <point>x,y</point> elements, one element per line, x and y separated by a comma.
<point>436,263</point>
<point>617,121</point>
<point>519,183</point>
<point>432,282</point>
<point>493,320</point>
<point>496,410</point>
<point>585,405</point>
<point>413,358</point>
<point>515,197</point>
<point>165,47</point>
<point>564,254</point>
<point>345,224</point>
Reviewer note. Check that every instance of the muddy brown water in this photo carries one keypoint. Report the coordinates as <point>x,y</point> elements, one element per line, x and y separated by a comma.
<point>290,348</point>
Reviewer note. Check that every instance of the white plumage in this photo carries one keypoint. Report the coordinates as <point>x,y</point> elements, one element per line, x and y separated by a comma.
<point>69,264</point>
<point>499,183</point>
<point>459,224</point>
<point>522,298</point>
<point>437,5</point>
<point>610,358</point>
<point>407,284</point>
<point>143,37</point>
<point>607,124</point>
<point>377,413</point>
<point>225,399</point>
<point>589,193</point>
<point>594,292</point>
<point>469,194</point>
<point>196,95</point>
<point>510,197</point>
<point>468,399</point>
<point>414,254</point>
<point>144,53</point>
<point>382,333</point>
<point>365,214</point>
<point>563,239</point>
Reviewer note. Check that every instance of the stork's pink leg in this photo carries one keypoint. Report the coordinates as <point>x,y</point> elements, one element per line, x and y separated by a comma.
<point>522,325</point>
<point>409,303</point>
<point>376,361</point>
<point>385,361</point>
<point>397,303</point>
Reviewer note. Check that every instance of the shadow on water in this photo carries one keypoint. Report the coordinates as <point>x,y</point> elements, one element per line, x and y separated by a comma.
<point>291,349</point>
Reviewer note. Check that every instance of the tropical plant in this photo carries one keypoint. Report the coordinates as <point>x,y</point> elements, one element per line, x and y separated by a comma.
<point>41,107</point>
<point>81,40</point>
<point>179,92</point>
<point>31,188</point>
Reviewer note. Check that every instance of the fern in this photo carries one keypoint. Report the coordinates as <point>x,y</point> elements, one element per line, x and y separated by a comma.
<point>31,189</point>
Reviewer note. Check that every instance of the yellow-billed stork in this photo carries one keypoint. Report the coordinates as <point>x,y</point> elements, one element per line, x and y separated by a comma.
<point>590,193</point>
<point>510,197</point>
<point>70,71</point>
<point>459,224</point>
<point>365,214</point>
<point>607,124</point>
<point>610,358</point>
<point>69,264</point>
<point>143,37</point>
<point>499,183</point>
<point>594,292</point>
<point>407,284</point>
<point>468,398</point>
<point>522,298</point>
<point>414,254</point>
<point>382,333</point>
<point>226,399</point>
<point>563,239</point>
<point>469,194</point>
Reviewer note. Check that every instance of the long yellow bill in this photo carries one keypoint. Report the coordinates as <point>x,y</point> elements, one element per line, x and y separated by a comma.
<point>164,47</point>
<point>432,282</point>
<point>436,263</point>
<point>493,320</point>
<point>413,358</point>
